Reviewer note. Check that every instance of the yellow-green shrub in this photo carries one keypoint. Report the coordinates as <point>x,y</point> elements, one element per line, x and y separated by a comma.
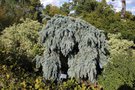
<point>22,36</point>
<point>117,45</point>
<point>19,44</point>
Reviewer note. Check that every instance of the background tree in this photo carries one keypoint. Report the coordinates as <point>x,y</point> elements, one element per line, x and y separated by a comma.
<point>65,8</point>
<point>85,6</point>
<point>123,10</point>
<point>15,9</point>
<point>52,10</point>
<point>104,17</point>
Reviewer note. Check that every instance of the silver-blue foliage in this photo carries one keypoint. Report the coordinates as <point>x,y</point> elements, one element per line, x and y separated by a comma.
<point>74,47</point>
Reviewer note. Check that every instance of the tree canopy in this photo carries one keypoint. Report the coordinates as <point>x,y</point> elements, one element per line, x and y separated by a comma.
<point>13,10</point>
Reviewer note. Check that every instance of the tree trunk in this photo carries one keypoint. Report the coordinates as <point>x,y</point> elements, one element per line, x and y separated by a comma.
<point>123,11</point>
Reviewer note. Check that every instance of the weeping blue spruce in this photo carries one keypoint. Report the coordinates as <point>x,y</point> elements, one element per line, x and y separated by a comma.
<point>73,47</point>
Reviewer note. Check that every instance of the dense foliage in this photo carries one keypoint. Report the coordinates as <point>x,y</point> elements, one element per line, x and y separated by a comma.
<point>12,10</point>
<point>104,17</point>
<point>119,72</point>
<point>8,81</point>
<point>19,44</point>
<point>73,47</point>
<point>52,10</point>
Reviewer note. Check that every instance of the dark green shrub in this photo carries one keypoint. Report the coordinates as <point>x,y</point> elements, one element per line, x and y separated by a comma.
<point>120,70</point>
